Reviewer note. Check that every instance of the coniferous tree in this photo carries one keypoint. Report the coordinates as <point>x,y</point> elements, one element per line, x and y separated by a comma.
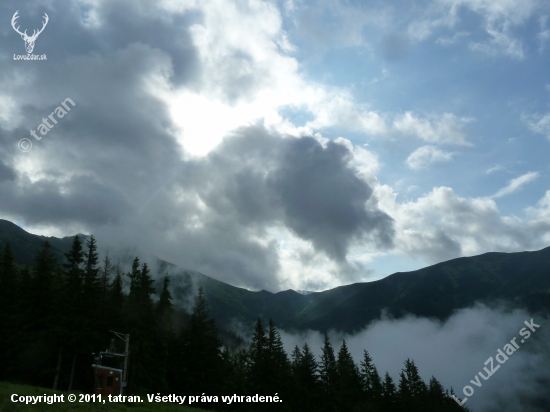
<point>91,274</point>
<point>101,304</point>
<point>237,381</point>
<point>41,323</point>
<point>201,356</point>
<point>74,320</point>
<point>277,364</point>
<point>307,384</point>
<point>74,274</point>
<point>145,368</point>
<point>328,376</point>
<point>8,323</point>
<point>436,394</point>
<point>164,313</point>
<point>296,357</point>
<point>404,392</point>
<point>372,385</point>
<point>388,394</point>
<point>259,375</point>
<point>417,386</point>
<point>117,300</point>
<point>165,307</point>
<point>349,379</point>
<point>93,315</point>
<point>104,280</point>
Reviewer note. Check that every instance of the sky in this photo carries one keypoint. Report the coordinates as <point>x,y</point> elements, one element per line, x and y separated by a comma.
<point>280,144</point>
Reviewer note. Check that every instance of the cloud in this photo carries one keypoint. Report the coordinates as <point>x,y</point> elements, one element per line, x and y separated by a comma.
<point>454,351</point>
<point>493,169</point>
<point>425,156</point>
<point>516,184</point>
<point>322,198</point>
<point>446,128</point>
<point>501,43</point>
<point>455,38</point>
<point>182,142</point>
<point>538,124</point>
<point>441,225</point>
<point>262,206</point>
<point>325,25</point>
<point>499,21</point>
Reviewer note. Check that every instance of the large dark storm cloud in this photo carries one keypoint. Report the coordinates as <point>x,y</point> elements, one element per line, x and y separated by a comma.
<point>322,197</point>
<point>261,179</point>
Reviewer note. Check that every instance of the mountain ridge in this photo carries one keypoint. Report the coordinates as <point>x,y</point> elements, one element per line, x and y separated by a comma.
<point>436,291</point>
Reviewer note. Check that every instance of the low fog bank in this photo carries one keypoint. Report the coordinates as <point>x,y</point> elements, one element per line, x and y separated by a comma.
<point>455,351</point>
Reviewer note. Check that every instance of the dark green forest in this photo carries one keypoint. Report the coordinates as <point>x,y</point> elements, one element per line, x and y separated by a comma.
<point>54,316</point>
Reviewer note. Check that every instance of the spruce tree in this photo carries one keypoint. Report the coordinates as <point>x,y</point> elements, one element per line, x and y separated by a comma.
<point>404,396</point>
<point>145,371</point>
<point>117,300</point>
<point>91,274</point>
<point>277,365</point>
<point>93,315</point>
<point>165,307</point>
<point>389,395</point>
<point>41,321</point>
<point>164,313</point>
<point>296,357</point>
<point>75,319</point>
<point>436,394</point>
<point>8,323</point>
<point>417,386</point>
<point>328,376</point>
<point>307,390</point>
<point>201,360</point>
<point>105,279</point>
<point>259,372</point>
<point>349,384</point>
<point>372,385</point>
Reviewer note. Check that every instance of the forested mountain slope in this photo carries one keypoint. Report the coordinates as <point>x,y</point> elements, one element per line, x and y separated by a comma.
<point>523,279</point>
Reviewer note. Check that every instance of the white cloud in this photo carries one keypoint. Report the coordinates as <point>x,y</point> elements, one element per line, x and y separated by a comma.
<point>447,128</point>
<point>516,184</point>
<point>538,124</point>
<point>539,216</point>
<point>493,169</point>
<point>247,77</point>
<point>336,24</point>
<point>447,41</point>
<point>424,156</point>
<point>441,225</point>
<point>500,20</point>
<point>501,42</point>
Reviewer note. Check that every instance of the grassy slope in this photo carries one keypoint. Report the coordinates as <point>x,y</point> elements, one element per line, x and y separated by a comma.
<point>7,389</point>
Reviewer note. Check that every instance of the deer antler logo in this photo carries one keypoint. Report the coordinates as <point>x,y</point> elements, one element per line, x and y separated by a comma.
<point>29,40</point>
